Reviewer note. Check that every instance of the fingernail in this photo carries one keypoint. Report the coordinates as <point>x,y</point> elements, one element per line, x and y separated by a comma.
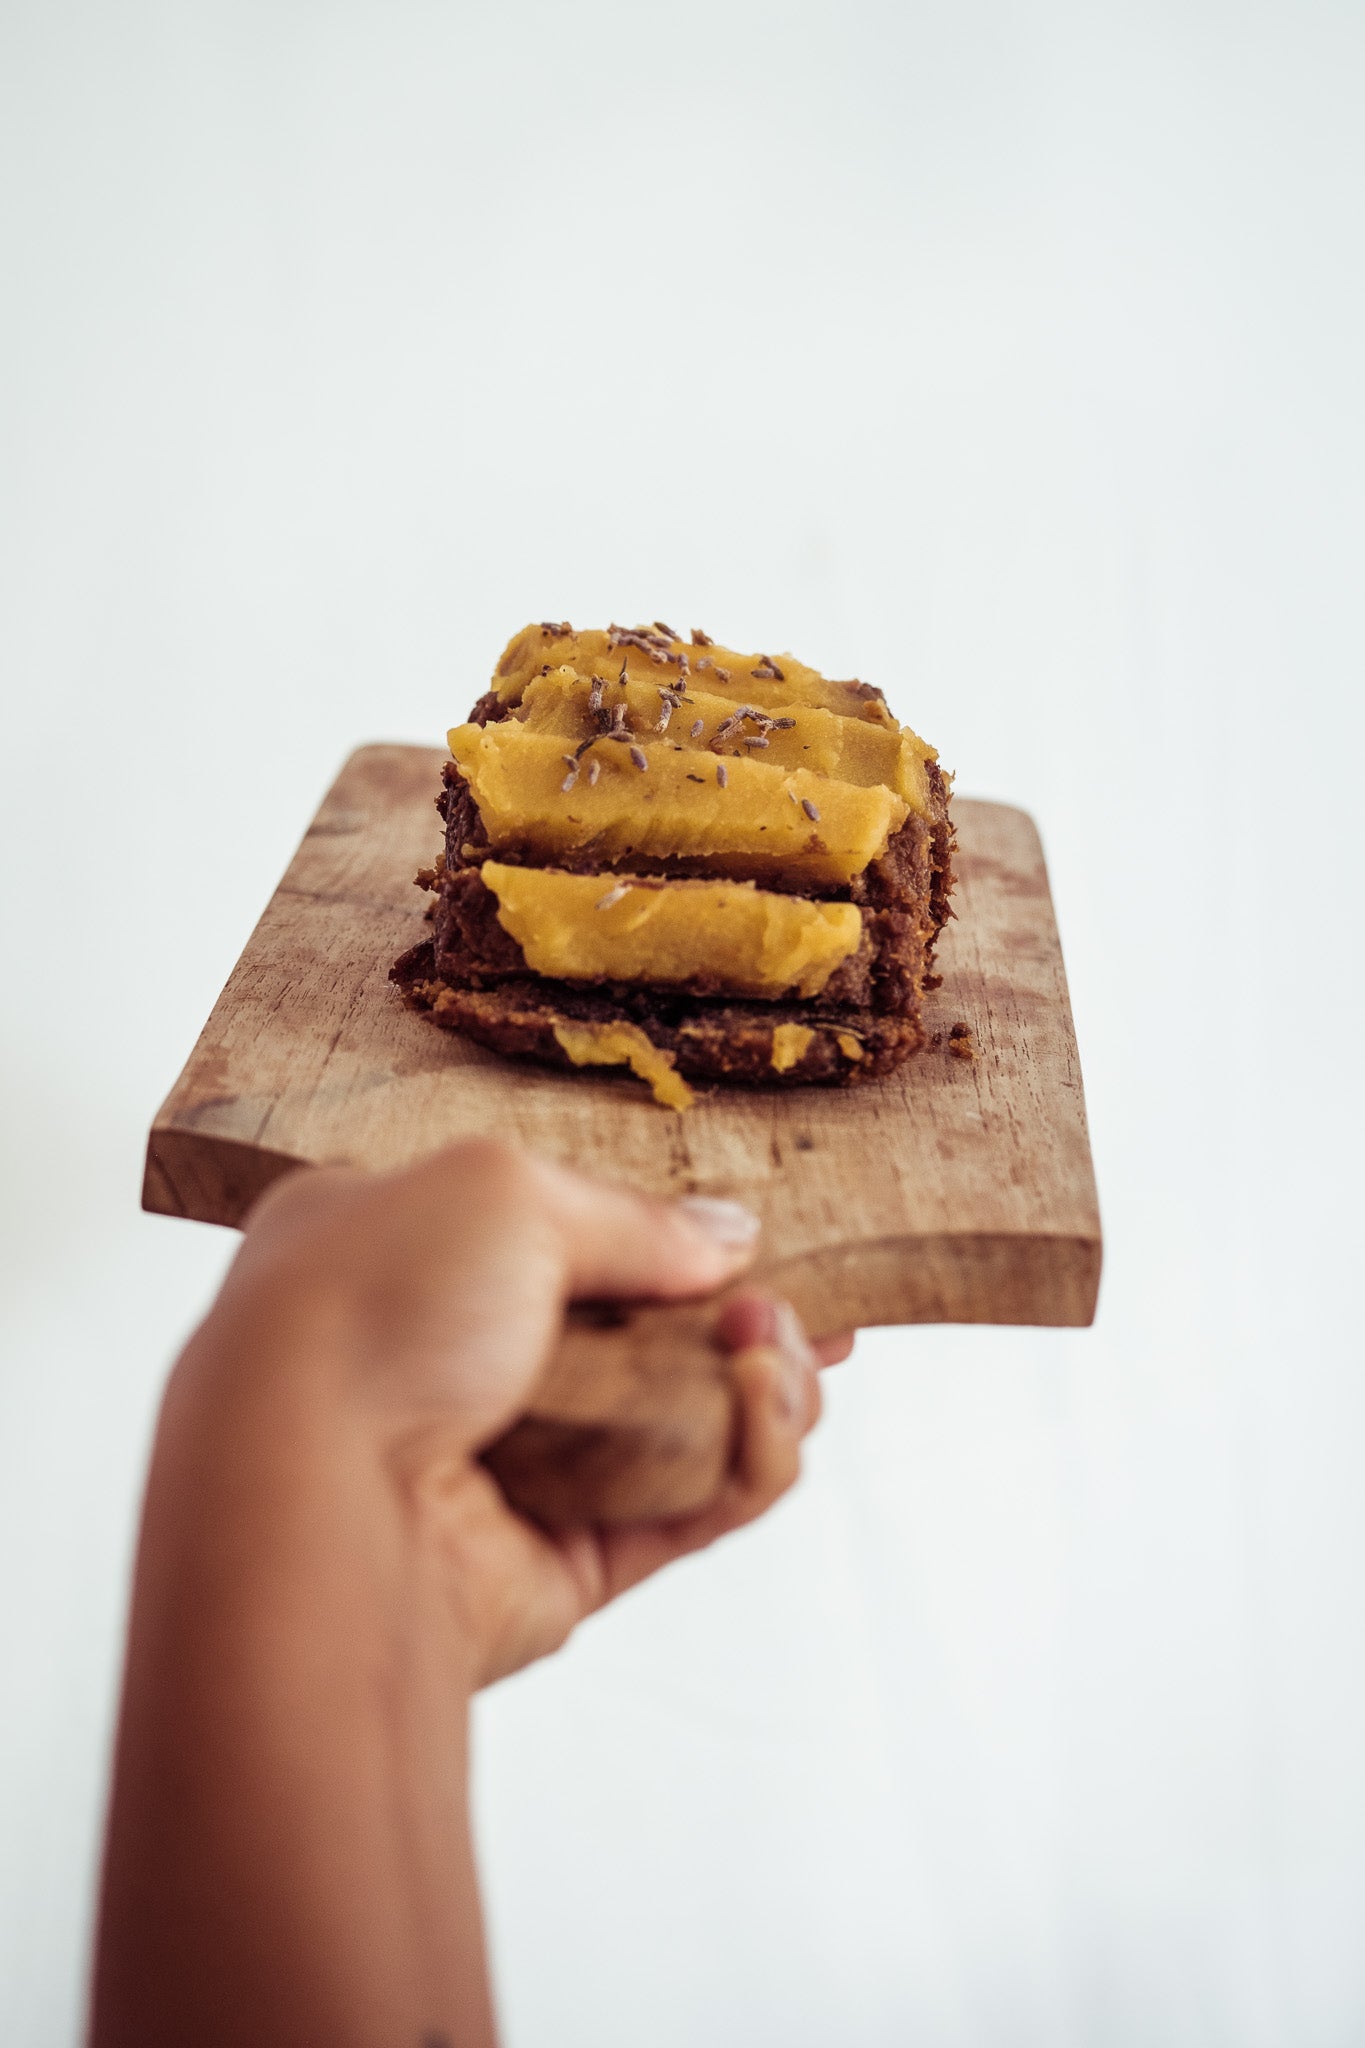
<point>797,1358</point>
<point>790,1385</point>
<point>791,1335</point>
<point>728,1224</point>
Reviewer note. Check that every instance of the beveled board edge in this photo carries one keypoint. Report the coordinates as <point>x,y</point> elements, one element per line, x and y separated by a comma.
<point>941,1277</point>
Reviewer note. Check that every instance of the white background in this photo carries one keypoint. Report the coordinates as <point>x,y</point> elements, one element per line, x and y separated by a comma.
<point>1009,356</point>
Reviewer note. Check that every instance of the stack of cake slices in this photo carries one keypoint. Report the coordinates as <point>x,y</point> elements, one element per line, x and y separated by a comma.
<point>664,855</point>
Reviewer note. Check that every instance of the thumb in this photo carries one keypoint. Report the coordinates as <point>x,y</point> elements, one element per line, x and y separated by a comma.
<point>621,1245</point>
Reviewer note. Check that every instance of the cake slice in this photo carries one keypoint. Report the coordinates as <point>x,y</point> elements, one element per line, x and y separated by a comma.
<point>687,861</point>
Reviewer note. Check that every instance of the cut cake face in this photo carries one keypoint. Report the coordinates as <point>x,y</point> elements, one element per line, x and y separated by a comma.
<point>686,861</point>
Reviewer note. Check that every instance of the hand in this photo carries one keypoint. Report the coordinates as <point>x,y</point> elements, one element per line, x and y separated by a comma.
<point>326,1572</point>
<point>437,1294</point>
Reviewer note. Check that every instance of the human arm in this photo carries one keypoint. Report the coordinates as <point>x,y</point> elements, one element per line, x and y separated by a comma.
<point>326,1574</point>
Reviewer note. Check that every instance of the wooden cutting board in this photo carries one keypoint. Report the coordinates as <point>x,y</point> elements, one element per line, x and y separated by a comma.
<point>956,1190</point>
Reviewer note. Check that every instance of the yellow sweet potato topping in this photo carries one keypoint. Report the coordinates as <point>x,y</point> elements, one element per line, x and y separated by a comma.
<point>734,817</point>
<point>789,1046</point>
<point>749,678</point>
<point>804,736</point>
<point>747,941</point>
<point>625,1045</point>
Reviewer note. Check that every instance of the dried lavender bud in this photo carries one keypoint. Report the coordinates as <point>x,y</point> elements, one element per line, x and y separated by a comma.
<point>809,808</point>
<point>637,756</point>
<point>698,728</point>
<point>722,775</point>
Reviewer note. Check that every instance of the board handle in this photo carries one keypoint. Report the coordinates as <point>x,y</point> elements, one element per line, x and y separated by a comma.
<point>635,1419</point>
<point>637,1415</point>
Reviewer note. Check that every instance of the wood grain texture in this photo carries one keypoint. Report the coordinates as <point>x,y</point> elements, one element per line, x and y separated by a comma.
<point>956,1190</point>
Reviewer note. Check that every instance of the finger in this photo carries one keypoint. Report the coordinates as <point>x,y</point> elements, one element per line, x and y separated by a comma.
<point>834,1350</point>
<point>753,1319</point>
<point>622,1245</point>
<point>779,1399</point>
<point>487,1199</point>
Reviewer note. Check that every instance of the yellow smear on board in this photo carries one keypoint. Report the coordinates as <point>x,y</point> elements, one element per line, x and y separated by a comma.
<point>625,1045</point>
<point>789,1045</point>
<point>613,927</point>
<point>755,822</point>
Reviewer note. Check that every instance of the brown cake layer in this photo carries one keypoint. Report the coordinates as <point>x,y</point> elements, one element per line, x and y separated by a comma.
<point>903,897</point>
<point>473,948</point>
<point>710,1041</point>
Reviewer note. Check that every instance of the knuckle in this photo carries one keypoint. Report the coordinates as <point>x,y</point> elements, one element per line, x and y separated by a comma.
<point>298,1193</point>
<point>496,1174</point>
<point>491,1162</point>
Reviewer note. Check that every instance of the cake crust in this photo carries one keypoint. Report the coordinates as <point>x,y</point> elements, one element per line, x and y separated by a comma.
<point>709,1040</point>
<point>472,977</point>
